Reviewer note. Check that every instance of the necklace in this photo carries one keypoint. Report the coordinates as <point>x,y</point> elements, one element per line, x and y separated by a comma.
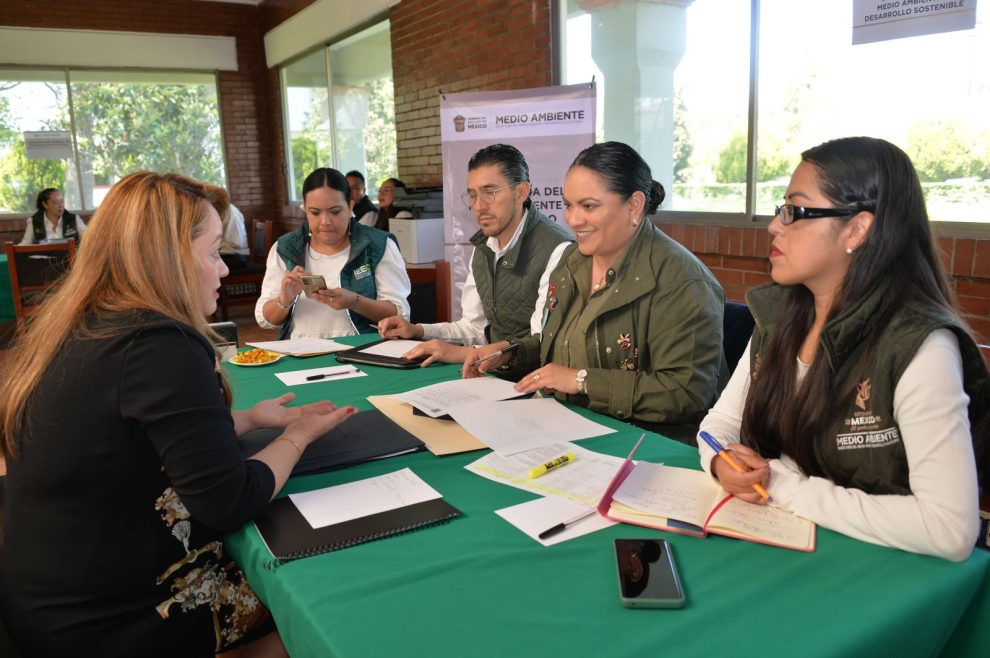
<point>315,255</point>
<point>599,284</point>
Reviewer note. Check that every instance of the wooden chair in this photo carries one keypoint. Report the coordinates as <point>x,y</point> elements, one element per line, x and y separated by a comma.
<point>244,286</point>
<point>34,270</point>
<point>430,296</point>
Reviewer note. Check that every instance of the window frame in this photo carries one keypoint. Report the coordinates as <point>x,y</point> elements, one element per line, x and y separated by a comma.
<point>326,47</point>
<point>67,81</point>
<point>748,218</point>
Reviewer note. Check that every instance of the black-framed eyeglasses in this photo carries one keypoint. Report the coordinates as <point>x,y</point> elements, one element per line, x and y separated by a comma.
<point>789,213</point>
<point>486,194</point>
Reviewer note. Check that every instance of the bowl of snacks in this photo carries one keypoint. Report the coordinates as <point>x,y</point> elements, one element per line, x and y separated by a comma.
<point>255,357</point>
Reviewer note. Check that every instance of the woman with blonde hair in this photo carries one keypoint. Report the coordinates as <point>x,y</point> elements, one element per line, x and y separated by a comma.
<point>123,466</point>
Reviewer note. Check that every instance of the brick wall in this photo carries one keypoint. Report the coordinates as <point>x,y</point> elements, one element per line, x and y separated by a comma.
<point>739,258</point>
<point>458,46</point>
<point>245,96</point>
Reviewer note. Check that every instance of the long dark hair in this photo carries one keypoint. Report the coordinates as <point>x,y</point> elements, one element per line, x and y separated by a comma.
<point>898,255</point>
<point>624,172</point>
<point>387,213</point>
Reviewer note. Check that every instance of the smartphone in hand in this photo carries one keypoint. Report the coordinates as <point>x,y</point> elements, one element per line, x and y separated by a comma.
<point>647,574</point>
<point>312,282</point>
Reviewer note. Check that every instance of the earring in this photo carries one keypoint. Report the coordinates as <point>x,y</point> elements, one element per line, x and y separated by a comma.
<point>849,250</point>
<point>635,223</point>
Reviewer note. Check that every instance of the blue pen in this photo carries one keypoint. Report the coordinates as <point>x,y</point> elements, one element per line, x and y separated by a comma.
<point>717,447</point>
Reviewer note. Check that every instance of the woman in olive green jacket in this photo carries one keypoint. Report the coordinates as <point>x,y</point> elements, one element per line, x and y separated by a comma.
<point>633,321</point>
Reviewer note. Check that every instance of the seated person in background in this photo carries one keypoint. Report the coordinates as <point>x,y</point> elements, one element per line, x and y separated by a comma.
<point>633,321</point>
<point>52,221</point>
<point>234,244</point>
<point>364,210</point>
<point>514,252</point>
<point>365,275</point>
<point>853,403</point>
<point>386,201</point>
<point>116,501</point>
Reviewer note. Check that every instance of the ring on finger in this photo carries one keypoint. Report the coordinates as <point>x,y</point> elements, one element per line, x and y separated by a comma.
<point>536,378</point>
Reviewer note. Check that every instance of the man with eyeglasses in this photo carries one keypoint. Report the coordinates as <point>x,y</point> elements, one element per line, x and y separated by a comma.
<point>515,250</point>
<point>364,209</point>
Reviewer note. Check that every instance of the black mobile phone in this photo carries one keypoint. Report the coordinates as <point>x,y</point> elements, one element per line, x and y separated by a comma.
<point>647,574</point>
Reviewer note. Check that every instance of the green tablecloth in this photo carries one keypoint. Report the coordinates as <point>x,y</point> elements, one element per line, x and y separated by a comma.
<point>6,296</point>
<point>479,587</point>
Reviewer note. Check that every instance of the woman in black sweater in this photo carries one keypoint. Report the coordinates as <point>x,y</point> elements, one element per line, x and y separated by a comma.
<point>123,466</point>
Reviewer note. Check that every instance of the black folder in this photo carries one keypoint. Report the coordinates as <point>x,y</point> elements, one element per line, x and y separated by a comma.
<point>363,437</point>
<point>358,355</point>
<point>289,536</point>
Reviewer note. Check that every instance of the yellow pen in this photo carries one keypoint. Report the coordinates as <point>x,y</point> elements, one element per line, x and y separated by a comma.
<point>537,471</point>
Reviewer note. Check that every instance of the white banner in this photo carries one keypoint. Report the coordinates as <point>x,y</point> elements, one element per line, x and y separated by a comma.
<point>549,125</point>
<point>880,20</point>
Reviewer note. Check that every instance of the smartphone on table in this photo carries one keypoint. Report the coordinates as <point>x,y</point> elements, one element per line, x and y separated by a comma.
<point>312,282</point>
<point>647,574</point>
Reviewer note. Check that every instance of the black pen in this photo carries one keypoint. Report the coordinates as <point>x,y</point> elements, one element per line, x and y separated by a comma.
<point>328,375</point>
<point>560,527</point>
<point>507,348</point>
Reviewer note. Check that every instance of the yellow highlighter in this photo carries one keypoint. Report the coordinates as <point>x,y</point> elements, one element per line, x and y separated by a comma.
<point>537,471</point>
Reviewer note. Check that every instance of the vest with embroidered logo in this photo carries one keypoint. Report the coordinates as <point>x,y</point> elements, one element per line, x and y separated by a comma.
<point>866,451</point>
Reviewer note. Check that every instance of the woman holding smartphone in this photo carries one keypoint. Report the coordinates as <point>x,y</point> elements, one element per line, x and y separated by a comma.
<point>123,468</point>
<point>364,275</point>
<point>860,397</point>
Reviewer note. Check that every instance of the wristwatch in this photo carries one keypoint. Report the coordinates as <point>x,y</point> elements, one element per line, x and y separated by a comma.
<point>581,379</point>
<point>511,348</point>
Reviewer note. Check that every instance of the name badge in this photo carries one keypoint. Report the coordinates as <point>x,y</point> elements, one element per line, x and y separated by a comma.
<point>363,271</point>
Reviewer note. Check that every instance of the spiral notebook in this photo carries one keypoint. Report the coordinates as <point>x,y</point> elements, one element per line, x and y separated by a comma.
<point>306,524</point>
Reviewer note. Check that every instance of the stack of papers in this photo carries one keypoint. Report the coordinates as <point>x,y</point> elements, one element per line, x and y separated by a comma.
<point>483,408</point>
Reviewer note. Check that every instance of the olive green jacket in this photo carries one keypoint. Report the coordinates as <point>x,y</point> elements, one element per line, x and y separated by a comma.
<point>655,344</point>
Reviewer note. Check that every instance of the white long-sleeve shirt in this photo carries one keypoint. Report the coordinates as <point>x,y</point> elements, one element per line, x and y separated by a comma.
<point>470,328</point>
<point>52,232</point>
<point>312,319</point>
<point>941,516</point>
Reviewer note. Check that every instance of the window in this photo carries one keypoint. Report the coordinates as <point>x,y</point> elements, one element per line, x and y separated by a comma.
<point>357,93</point>
<point>676,83</point>
<point>122,122</point>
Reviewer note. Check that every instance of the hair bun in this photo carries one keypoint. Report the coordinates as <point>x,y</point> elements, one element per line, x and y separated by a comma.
<point>657,195</point>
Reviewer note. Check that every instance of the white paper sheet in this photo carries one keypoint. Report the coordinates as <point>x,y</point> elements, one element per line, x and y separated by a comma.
<point>354,500</point>
<point>584,480</point>
<point>513,426</point>
<point>538,515</point>
<point>437,399</point>
<point>301,346</point>
<point>393,348</point>
<point>335,373</point>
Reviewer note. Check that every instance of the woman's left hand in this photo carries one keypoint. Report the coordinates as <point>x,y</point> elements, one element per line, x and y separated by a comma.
<point>274,414</point>
<point>550,377</point>
<point>340,299</point>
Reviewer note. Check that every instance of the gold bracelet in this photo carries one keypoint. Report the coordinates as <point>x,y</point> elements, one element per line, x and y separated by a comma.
<point>279,304</point>
<point>299,451</point>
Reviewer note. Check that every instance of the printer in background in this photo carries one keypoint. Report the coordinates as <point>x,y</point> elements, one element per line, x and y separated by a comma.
<point>418,224</point>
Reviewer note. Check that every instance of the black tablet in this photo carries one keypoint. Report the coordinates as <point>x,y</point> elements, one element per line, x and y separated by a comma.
<point>359,355</point>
